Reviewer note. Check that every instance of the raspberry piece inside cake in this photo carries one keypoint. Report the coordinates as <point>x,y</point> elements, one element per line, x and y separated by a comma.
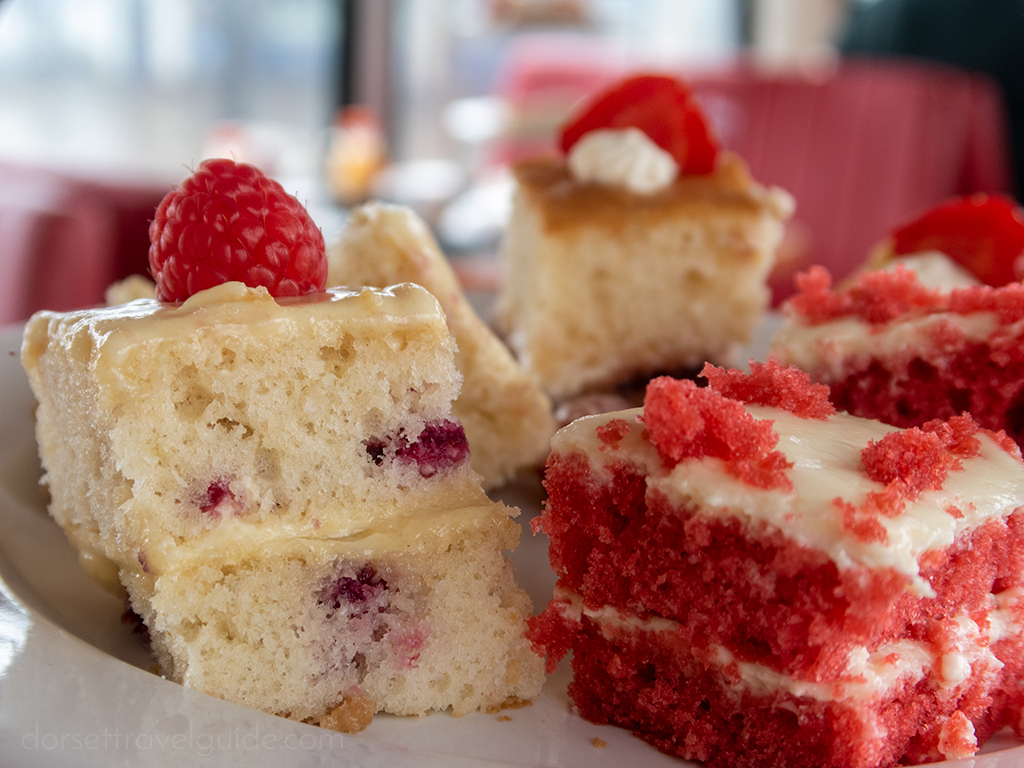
<point>361,593</point>
<point>438,447</point>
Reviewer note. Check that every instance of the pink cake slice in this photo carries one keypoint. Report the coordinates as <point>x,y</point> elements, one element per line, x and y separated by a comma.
<point>895,346</point>
<point>748,578</point>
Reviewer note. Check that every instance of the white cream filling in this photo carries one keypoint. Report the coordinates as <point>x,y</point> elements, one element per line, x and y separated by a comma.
<point>935,269</point>
<point>831,348</point>
<point>868,674</point>
<point>622,157</point>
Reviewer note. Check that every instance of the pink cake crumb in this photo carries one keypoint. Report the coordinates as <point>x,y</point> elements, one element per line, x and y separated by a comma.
<point>877,297</point>
<point>913,459</point>
<point>612,433</point>
<point>880,296</point>
<point>770,384</point>
<point>942,367</point>
<point>1007,301</point>
<point>686,421</point>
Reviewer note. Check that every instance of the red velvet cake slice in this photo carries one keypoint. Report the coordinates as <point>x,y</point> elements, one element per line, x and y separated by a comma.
<point>892,347</point>
<point>933,327</point>
<point>749,578</point>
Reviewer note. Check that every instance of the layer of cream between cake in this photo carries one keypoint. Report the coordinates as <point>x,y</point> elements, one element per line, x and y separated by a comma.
<point>868,674</point>
<point>823,469</point>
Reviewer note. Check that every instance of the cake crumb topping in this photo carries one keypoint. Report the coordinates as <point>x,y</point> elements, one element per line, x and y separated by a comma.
<point>611,434</point>
<point>914,460</point>
<point>771,385</point>
<point>908,463</point>
<point>685,421</point>
<point>881,296</point>
<point>877,297</point>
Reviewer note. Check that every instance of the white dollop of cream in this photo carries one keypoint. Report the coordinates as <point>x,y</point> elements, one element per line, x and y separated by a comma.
<point>623,157</point>
<point>935,269</point>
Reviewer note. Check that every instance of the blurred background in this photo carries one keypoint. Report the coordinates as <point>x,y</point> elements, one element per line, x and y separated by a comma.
<point>104,104</point>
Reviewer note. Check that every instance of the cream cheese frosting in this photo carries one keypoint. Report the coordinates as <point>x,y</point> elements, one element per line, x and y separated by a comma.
<point>934,269</point>
<point>831,347</point>
<point>826,463</point>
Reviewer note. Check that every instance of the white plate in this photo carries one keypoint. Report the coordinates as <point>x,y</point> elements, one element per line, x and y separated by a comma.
<point>76,690</point>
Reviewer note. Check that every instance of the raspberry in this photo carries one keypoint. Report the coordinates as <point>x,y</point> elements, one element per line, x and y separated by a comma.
<point>228,221</point>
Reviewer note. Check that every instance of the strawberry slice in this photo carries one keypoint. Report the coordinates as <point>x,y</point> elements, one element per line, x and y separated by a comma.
<point>662,107</point>
<point>983,233</point>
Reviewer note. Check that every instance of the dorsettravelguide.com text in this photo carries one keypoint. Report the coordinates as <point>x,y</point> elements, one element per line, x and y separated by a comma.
<point>204,743</point>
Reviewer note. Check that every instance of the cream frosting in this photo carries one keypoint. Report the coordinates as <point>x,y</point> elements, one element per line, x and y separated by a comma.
<point>831,348</point>
<point>228,303</point>
<point>826,466</point>
<point>623,157</point>
<point>934,269</point>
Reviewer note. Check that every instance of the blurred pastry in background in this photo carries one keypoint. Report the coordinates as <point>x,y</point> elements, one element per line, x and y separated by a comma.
<point>641,248</point>
<point>981,233</point>
<point>530,13</point>
<point>933,328</point>
<point>356,154</point>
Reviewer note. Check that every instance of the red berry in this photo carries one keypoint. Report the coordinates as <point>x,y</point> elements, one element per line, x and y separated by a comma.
<point>983,233</point>
<point>662,107</point>
<point>228,221</point>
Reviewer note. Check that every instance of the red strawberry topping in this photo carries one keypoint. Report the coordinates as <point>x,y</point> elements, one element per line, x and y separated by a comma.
<point>228,221</point>
<point>662,107</point>
<point>983,233</point>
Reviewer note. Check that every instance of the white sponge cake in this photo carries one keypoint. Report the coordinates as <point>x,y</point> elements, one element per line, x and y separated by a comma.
<point>281,487</point>
<point>507,416</point>
<point>605,285</point>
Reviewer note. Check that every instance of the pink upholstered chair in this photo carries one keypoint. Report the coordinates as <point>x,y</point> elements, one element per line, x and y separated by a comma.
<point>862,146</point>
<point>64,239</point>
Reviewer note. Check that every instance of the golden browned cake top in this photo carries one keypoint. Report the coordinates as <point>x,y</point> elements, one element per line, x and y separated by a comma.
<point>567,202</point>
